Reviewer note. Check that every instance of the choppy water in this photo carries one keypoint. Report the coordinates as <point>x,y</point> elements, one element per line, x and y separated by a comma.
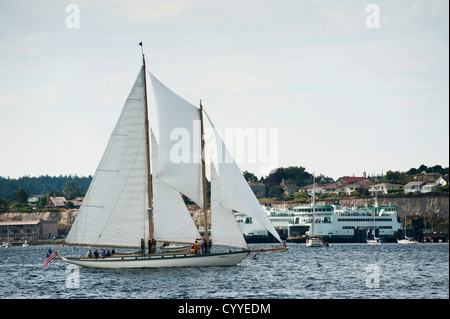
<point>340,271</point>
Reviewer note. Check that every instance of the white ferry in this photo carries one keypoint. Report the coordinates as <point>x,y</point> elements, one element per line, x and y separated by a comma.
<point>341,224</point>
<point>333,222</point>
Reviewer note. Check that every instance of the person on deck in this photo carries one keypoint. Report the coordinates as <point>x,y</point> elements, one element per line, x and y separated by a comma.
<point>196,247</point>
<point>204,247</point>
<point>142,247</point>
<point>153,246</point>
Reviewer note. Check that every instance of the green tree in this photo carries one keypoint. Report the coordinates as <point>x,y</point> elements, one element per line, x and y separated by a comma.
<point>3,205</point>
<point>20,196</point>
<point>249,176</point>
<point>392,177</point>
<point>42,201</point>
<point>71,190</point>
<point>276,191</point>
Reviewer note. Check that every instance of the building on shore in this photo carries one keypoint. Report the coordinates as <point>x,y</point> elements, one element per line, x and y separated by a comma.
<point>17,232</point>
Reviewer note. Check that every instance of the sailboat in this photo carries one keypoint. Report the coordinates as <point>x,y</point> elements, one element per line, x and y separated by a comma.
<point>407,240</point>
<point>313,240</point>
<point>376,241</point>
<point>135,197</point>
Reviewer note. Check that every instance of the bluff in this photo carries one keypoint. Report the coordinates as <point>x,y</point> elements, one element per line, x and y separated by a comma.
<point>411,205</point>
<point>417,205</point>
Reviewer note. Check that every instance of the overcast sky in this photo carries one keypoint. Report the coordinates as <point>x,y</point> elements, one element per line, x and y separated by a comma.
<point>343,94</point>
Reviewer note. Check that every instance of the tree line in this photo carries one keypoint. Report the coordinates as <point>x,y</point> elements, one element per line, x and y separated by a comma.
<point>300,177</point>
<point>15,192</point>
<point>40,185</point>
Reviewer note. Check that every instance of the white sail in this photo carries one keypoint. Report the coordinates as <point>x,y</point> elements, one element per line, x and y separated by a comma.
<point>224,228</point>
<point>172,221</point>
<point>235,192</point>
<point>114,211</point>
<point>179,142</point>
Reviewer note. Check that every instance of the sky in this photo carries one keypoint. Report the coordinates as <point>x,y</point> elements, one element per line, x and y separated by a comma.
<point>338,87</point>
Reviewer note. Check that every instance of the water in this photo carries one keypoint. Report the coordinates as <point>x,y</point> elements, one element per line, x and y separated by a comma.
<point>340,271</point>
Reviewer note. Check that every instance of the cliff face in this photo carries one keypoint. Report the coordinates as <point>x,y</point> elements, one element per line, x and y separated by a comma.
<point>64,217</point>
<point>412,205</point>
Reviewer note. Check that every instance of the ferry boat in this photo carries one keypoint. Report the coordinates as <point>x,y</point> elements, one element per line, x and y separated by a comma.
<point>343,224</point>
<point>335,223</point>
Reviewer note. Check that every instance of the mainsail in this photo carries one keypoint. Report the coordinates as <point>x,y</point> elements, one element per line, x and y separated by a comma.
<point>172,220</point>
<point>179,142</point>
<point>114,211</point>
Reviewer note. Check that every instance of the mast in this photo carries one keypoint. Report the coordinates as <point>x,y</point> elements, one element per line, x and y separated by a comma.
<point>205,202</point>
<point>314,204</point>
<point>151,228</point>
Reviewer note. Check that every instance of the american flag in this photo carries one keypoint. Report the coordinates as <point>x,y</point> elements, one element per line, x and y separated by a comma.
<point>50,255</point>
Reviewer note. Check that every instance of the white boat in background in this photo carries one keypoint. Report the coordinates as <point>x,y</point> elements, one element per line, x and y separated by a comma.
<point>25,244</point>
<point>407,240</point>
<point>313,240</point>
<point>375,241</point>
<point>135,196</point>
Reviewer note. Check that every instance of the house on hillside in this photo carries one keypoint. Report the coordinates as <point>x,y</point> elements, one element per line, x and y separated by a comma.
<point>288,188</point>
<point>77,202</point>
<point>33,201</point>
<point>429,178</point>
<point>431,187</point>
<point>56,202</point>
<point>350,180</point>
<point>335,188</point>
<point>259,189</point>
<point>414,187</point>
<point>383,187</point>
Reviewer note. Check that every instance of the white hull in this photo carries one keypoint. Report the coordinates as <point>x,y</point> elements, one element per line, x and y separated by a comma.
<point>161,260</point>
<point>374,242</point>
<point>314,243</point>
<point>407,242</point>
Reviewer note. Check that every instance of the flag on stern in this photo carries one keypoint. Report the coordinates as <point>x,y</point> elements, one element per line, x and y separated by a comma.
<point>50,255</point>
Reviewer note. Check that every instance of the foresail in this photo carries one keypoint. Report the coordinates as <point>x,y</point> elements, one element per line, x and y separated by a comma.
<point>172,220</point>
<point>235,192</point>
<point>224,228</point>
<point>179,142</point>
<point>114,211</point>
